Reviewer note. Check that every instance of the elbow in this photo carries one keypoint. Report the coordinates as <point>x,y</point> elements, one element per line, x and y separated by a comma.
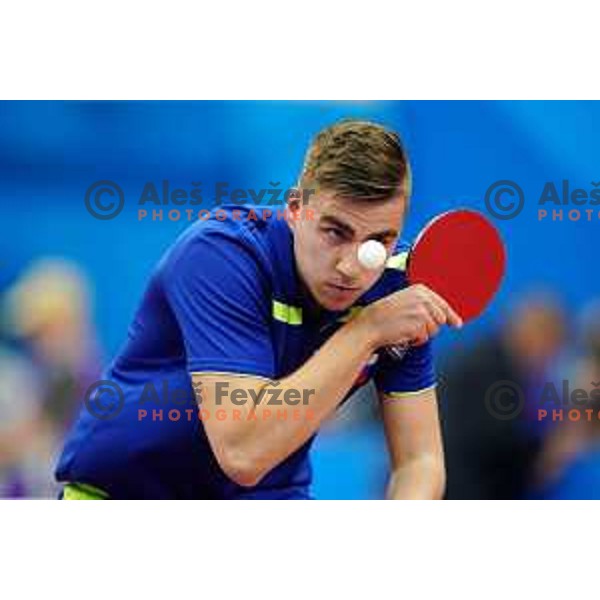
<point>437,473</point>
<point>238,466</point>
<point>440,490</point>
<point>433,469</point>
<point>422,478</point>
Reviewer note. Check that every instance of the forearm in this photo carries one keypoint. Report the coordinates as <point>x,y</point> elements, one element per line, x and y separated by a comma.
<point>323,380</point>
<point>421,478</point>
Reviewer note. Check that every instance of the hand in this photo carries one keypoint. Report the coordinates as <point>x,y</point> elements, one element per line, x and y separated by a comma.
<point>410,316</point>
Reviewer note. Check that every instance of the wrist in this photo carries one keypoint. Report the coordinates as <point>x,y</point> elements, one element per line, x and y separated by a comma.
<point>366,327</point>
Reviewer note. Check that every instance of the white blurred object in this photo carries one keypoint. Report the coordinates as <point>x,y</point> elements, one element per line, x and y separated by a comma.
<point>372,254</point>
<point>50,290</point>
<point>50,307</point>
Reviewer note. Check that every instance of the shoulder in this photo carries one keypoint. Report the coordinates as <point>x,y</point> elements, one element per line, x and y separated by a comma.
<point>241,235</point>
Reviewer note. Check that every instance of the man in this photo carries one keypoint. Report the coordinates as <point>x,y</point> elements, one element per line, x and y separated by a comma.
<point>240,308</point>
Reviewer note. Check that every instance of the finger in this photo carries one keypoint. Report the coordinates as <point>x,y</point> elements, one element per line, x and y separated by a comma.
<point>452,317</point>
<point>432,331</point>
<point>427,329</point>
<point>432,328</point>
<point>437,312</point>
<point>419,340</point>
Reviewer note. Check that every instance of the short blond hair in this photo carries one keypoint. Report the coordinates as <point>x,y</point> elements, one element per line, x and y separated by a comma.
<point>358,160</point>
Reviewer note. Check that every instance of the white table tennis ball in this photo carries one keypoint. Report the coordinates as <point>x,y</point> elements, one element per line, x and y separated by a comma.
<point>372,254</point>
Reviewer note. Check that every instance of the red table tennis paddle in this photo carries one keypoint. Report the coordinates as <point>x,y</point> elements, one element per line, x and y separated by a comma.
<point>460,256</point>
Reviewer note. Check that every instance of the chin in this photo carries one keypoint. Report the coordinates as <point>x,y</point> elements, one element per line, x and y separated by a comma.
<point>337,304</point>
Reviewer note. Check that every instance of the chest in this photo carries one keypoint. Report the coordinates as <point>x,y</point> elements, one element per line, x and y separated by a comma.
<point>295,343</point>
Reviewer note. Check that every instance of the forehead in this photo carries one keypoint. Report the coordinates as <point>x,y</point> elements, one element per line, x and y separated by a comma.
<point>362,216</point>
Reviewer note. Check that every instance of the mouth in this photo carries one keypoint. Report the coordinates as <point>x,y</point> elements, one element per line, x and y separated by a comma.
<point>343,288</point>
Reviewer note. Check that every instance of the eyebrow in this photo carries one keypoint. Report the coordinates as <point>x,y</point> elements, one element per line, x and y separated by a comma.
<point>328,219</point>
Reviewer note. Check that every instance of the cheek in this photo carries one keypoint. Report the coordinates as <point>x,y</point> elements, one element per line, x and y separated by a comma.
<point>317,253</point>
<point>372,278</point>
<point>318,261</point>
<point>309,255</point>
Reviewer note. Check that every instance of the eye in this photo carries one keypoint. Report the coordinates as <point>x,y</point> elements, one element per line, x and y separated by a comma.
<point>334,234</point>
<point>387,242</point>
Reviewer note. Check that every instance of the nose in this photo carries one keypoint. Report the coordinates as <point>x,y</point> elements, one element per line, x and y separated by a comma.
<point>348,265</point>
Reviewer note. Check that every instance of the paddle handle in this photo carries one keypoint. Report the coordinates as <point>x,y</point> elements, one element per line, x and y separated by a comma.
<point>398,351</point>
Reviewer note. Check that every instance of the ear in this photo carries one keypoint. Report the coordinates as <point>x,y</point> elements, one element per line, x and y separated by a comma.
<point>294,206</point>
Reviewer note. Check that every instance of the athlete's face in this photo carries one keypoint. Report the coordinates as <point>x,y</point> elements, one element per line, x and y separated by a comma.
<point>327,234</point>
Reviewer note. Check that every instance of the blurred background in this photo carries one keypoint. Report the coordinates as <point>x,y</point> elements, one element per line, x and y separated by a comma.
<point>70,283</point>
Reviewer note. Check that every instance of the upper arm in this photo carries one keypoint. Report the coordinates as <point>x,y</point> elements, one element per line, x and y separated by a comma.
<point>227,399</point>
<point>409,404</point>
<point>221,300</point>
<point>411,424</point>
<point>220,297</point>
